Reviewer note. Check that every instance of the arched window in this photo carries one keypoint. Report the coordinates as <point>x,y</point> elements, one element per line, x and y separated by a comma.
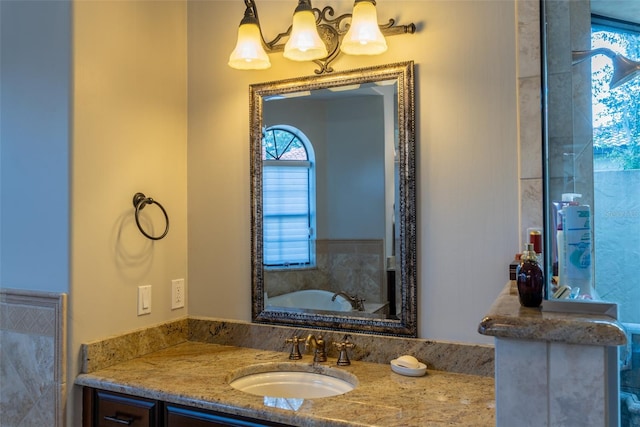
<point>288,198</point>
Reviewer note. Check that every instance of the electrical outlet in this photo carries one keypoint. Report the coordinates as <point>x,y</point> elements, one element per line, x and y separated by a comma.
<point>144,300</point>
<point>177,293</point>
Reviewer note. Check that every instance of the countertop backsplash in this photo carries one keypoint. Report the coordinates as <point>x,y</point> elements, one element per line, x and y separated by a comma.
<point>437,355</point>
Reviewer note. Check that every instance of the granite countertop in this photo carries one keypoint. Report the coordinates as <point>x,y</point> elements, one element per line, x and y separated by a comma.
<point>575,322</point>
<point>197,374</point>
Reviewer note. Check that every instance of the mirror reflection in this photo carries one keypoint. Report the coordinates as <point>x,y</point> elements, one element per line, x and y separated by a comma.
<point>333,221</point>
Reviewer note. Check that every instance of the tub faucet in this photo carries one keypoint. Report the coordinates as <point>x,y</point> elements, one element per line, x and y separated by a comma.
<point>356,303</point>
<point>320,352</point>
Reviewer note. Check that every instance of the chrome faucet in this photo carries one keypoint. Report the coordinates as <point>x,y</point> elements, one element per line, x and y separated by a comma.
<point>320,352</point>
<point>356,303</point>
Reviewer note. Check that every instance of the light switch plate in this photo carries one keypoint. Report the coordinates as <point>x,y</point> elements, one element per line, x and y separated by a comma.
<point>144,300</point>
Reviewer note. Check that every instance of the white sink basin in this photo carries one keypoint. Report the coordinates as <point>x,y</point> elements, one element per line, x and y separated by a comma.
<point>292,380</point>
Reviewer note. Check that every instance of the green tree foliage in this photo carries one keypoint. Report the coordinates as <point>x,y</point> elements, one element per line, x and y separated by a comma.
<point>616,112</point>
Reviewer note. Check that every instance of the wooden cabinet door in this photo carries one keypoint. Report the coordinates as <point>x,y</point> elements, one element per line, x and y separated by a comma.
<point>183,416</point>
<point>109,409</point>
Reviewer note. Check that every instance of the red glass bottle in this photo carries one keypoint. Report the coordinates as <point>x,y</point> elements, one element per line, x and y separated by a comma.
<point>530,279</point>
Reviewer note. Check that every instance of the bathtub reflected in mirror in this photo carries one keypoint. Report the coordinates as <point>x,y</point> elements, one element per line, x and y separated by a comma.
<point>309,299</point>
<point>321,300</point>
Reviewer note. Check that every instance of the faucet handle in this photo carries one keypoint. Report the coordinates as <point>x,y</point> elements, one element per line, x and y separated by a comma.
<point>343,357</point>
<point>295,349</point>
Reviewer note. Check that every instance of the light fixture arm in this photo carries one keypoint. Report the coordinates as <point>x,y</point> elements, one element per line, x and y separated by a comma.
<point>251,17</point>
<point>331,31</point>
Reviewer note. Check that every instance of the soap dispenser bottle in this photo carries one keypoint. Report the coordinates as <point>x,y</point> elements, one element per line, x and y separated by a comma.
<point>530,279</point>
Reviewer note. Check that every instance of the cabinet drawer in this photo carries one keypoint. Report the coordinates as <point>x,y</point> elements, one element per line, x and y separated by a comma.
<point>184,416</point>
<point>117,410</point>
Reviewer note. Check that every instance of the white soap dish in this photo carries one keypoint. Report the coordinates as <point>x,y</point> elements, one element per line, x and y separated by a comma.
<point>418,371</point>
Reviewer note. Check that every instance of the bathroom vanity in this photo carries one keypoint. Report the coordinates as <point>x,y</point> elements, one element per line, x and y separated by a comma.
<point>187,384</point>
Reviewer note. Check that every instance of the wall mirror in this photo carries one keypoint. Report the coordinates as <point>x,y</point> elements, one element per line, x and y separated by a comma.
<point>333,201</point>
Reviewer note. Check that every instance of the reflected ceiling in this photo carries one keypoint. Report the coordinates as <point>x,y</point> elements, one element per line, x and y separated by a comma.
<point>626,10</point>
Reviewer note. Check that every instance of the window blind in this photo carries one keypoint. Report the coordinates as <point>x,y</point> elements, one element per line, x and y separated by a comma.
<point>286,229</point>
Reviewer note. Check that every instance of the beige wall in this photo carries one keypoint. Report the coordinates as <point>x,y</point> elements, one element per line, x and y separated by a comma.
<point>465,55</point>
<point>129,135</point>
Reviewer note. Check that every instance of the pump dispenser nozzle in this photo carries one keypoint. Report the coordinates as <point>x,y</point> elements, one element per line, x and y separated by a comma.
<point>570,197</point>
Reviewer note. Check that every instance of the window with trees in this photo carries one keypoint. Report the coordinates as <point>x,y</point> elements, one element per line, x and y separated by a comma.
<point>616,112</point>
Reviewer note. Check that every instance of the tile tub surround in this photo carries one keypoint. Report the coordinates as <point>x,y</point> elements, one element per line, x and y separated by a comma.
<point>32,358</point>
<point>437,355</point>
<point>353,266</point>
<point>563,365</point>
<point>198,374</point>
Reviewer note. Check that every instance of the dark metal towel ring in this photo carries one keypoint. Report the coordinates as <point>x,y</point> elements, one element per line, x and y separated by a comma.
<point>139,202</point>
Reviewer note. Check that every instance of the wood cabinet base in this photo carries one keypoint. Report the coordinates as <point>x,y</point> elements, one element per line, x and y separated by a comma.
<point>108,409</point>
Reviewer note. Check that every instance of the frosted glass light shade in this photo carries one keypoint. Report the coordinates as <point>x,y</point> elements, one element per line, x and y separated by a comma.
<point>305,43</point>
<point>249,53</point>
<point>364,36</point>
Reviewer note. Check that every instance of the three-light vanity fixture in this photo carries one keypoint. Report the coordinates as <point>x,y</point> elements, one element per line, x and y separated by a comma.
<point>314,36</point>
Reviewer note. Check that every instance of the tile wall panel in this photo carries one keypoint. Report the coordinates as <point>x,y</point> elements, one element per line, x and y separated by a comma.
<point>32,358</point>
